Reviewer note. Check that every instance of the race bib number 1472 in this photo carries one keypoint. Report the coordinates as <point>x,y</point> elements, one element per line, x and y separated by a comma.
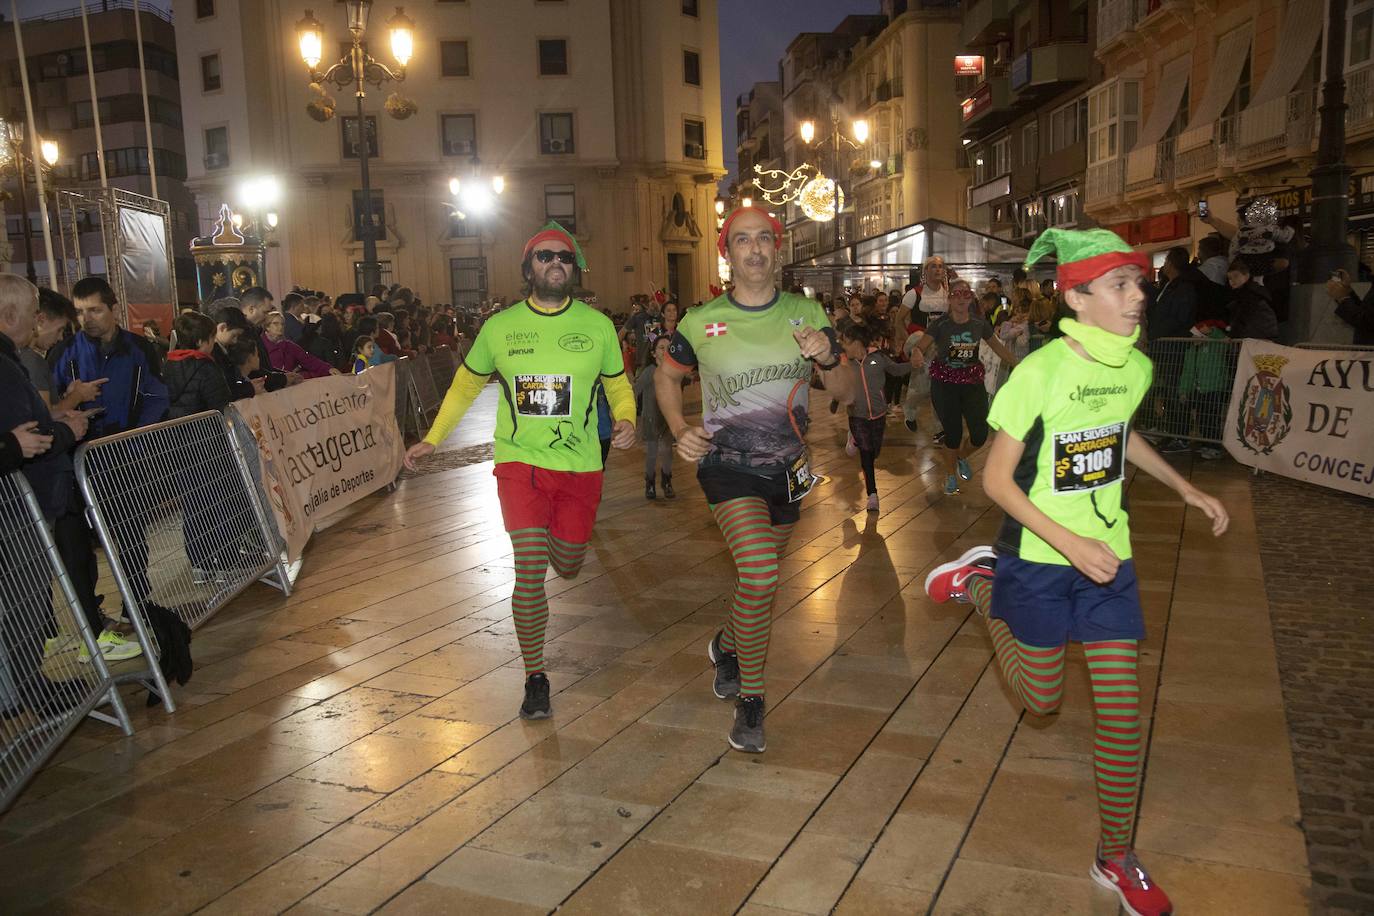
<point>1089,458</point>
<point>543,395</point>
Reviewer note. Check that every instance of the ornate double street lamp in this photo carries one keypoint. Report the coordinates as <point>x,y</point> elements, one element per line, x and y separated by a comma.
<point>475,199</point>
<point>821,199</point>
<point>356,69</point>
<point>13,158</point>
<point>259,196</point>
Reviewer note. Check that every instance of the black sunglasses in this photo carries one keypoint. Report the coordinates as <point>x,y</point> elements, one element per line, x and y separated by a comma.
<point>544,256</point>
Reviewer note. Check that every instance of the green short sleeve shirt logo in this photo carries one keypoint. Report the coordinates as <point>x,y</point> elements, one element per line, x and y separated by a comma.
<point>549,367</point>
<point>750,366</point>
<point>1073,416</point>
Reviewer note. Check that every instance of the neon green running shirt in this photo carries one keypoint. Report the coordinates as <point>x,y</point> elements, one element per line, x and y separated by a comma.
<point>1073,416</point>
<point>549,367</point>
<point>750,365</point>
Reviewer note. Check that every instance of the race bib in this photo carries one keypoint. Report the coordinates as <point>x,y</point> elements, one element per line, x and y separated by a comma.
<point>543,395</point>
<point>799,479</point>
<point>964,353</point>
<point>1089,458</point>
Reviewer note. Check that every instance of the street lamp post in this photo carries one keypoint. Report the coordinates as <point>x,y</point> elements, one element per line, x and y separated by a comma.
<point>357,68</point>
<point>859,128</point>
<point>258,195</point>
<point>477,199</point>
<point>12,155</point>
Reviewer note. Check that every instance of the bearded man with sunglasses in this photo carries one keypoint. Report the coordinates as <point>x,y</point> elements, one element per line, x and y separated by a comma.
<point>551,354</point>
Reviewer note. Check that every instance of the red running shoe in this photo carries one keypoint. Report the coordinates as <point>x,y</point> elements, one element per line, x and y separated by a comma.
<point>950,580</point>
<point>1139,895</point>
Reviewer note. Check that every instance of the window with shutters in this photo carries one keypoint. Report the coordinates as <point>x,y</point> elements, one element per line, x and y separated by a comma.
<point>453,58</point>
<point>1030,143</point>
<point>1113,119</point>
<point>553,57</point>
<point>556,133</point>
<point>1360,35</point>
<point>560,203</point>
<point>1001,157</point>
<point>459,134</point>
<point>1240,99</point>
<point>691,68</point>
<point>209,73</point>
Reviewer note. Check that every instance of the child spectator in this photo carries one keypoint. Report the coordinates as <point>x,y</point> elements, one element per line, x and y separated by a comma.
<point>1204,385</point>
<point>194,382</point>
<point>364,354</point>
<point>658,441</point>
<point>246,377</point>
<point>868,417</point>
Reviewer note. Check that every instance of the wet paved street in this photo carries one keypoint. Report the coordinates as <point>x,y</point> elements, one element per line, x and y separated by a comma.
<point>355,748</point>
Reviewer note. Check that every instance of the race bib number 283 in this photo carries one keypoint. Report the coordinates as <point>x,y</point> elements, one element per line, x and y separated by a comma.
<point>1087,459</point>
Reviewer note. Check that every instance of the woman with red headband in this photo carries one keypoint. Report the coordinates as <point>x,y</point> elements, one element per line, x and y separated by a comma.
<point>552,355</point>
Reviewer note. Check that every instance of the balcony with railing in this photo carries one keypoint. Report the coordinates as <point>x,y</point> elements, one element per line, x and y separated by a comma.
<point>1105,183</point>
<point>984,21</point>
<point>1359,100</point>
<point>1150,169</point>
<point>1283,125</point>
<point>1115,18</point>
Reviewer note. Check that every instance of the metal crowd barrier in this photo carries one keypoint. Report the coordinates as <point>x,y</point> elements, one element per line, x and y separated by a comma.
<point>1191,390</point>
<point>46,689</point>
<point>182,521</point>
<point>421,383</point>
<point>410,416</point>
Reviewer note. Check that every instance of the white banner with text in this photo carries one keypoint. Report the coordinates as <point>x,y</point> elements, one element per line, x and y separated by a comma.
<point>322,445</point>
<point>1307,414</point>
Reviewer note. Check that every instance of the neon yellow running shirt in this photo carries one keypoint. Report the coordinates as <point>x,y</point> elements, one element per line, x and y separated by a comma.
<point>1073,416</point>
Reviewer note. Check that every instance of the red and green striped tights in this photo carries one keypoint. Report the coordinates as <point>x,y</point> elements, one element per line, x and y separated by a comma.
<point>1036,676</point>
<point>535,550</point>
<point>755,545</point>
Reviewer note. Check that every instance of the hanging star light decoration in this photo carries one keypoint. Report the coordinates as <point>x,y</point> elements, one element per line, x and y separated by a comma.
<point>792,182</point>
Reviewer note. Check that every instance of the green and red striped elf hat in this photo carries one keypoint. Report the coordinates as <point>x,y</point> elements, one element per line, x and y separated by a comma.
<point>1084,254</point>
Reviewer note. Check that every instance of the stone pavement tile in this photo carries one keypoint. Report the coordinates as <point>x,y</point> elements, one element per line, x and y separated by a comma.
<point>644,764</point>
<point>342,719</point>
<point>982,887</point>
<point>665,880</point>
<point>730,821</point>
<point>757,909</point>
<point>415,800</point>
<point>1282,851</point>
<point>276,887</point>
<point>425,898</point>
<point>866,797</point>
<point>347,843</point>
<point>694,707</point>
<point>915,851</point>
<point>848,687</point>
<point>43,865</point>
<point>457,662</point>
<point>421,725</point>
<point>756,773</point>
<point>493,698</point>
<point>240,769</point>
<point>562,828</point>
<point>818,736</point>
<point>869,898</point>
<point>812,874</point>
<point>196,866</point>
<point>377,763</point>
<point>1042,823</point>
<point>1208,887</point>
<point>419,684</point>
<point>492,874</point>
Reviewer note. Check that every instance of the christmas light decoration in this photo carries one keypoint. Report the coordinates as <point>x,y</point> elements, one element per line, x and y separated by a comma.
<point>820,199</point>
<point>779,187</point>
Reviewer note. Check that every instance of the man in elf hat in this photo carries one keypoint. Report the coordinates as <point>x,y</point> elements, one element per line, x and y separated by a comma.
<point>1061,570</point>
<point>552,354</point>
<point>754,348</point>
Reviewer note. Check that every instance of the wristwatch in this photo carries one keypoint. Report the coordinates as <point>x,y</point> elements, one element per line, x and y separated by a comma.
<point>825,367</point>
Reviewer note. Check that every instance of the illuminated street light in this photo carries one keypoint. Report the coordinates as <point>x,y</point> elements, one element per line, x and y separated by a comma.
<point>50,152</point>
<point>808,130</point>
<point>861,130</point>
<point>402,36</point>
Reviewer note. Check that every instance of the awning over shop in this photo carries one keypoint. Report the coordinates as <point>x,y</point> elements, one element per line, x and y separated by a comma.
<point>1173,80</point>
<point>1227,62</point>
<point>1302,30</point>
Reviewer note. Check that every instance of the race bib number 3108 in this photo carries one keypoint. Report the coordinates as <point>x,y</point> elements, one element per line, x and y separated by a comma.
<point>1089,458</point>
<point>543,395</point>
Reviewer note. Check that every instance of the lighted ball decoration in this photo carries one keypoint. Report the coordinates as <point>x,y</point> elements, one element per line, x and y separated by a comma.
<point>820,199</point>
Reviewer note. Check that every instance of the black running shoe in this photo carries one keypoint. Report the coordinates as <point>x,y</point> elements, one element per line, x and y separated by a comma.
<point>834,406</point>
<point>668,487</point>
<point>536,705</point>
<point>911,425</point>
<point>727,669</point>
<point>747,733</point>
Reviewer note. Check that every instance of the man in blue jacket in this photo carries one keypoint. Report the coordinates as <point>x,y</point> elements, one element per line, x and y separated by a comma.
<point>132,396</point>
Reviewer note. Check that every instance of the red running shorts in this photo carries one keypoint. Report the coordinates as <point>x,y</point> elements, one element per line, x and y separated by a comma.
<point>564,502</point>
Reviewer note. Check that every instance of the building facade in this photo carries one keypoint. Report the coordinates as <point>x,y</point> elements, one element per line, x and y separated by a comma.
<point>892,71</point>
<point>54,47</point>
<point>1217,102</point>
<point>603,114</point>
<point>758,124</point>
<point>1022,83</point>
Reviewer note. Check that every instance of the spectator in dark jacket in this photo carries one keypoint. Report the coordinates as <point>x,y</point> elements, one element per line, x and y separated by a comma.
<point>195,383</point>
<point>1171,316</point>
<point>256,303</point>
<point>1252,314</point>
<point>1354,311</point>
<point>292,308</point>
<point>324,341</point>
<point>133,394</point>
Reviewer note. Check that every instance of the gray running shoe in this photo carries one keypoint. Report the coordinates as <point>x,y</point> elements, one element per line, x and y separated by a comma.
<point>727,669</point>
<point>747,733</point>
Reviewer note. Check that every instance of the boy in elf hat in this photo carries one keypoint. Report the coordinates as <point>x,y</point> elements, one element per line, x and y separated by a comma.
<point>1061,570</point>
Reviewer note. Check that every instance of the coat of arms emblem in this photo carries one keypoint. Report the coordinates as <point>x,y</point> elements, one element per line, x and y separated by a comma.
<point>1266,412</point>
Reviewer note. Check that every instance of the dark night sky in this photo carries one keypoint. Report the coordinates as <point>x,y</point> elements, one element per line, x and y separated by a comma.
<point>753,36</point>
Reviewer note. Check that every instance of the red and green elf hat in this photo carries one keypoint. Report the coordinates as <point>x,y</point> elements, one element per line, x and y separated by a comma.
<point>1084,254</point>
<point>551,231</point>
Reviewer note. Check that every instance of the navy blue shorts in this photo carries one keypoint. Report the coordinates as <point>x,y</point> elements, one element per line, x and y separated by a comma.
<point>1049,605</point>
